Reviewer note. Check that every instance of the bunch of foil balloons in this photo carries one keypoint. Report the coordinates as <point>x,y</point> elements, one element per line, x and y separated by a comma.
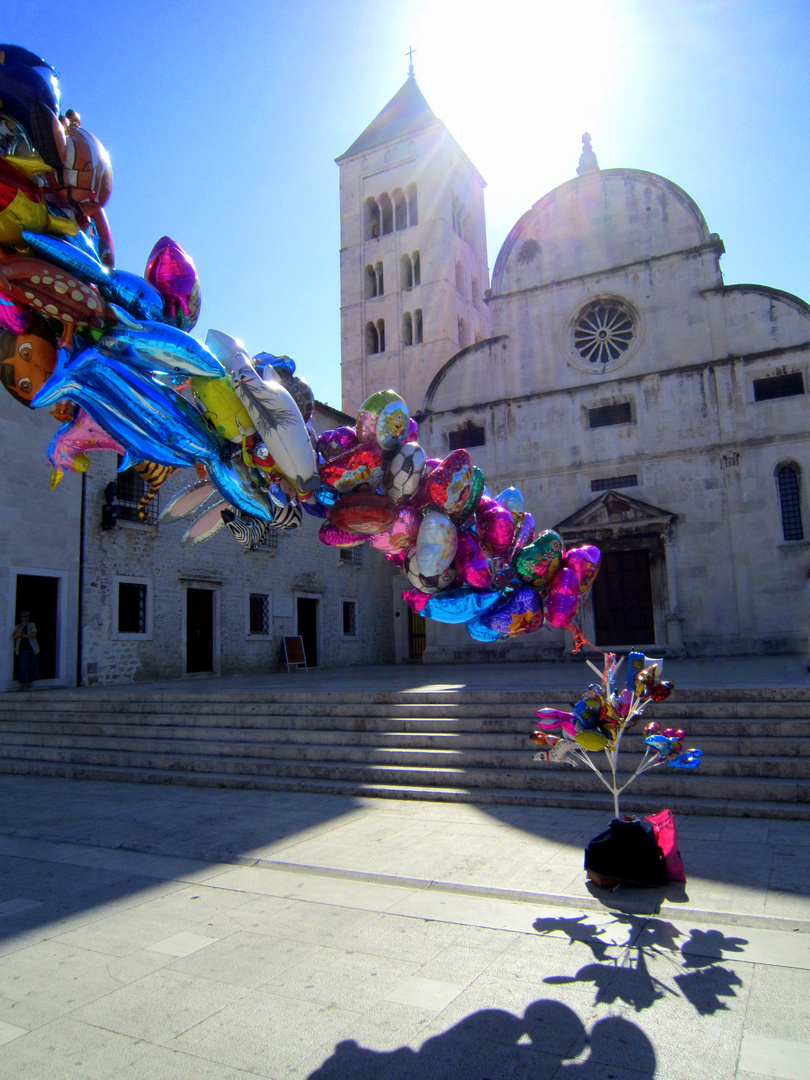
<point>111,354</point>
<point>599,720</point>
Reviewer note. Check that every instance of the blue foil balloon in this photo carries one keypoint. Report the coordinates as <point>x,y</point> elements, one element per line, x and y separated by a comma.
<point>689,759</point>
<point>459,605</point>
<point>518,612</point>
<point>134,294</point>
<point>160,348</point>
<point>264,360</point>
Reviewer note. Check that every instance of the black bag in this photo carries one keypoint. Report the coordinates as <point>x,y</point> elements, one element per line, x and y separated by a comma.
<point>627,852</point>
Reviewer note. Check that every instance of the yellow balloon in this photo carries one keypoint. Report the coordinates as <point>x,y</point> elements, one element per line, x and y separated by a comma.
<point>222,409</point>
<point>591,740</point>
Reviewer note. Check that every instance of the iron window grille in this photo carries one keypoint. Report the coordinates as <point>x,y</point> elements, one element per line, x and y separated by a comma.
<point>349,618</point>
<point>787,480</point>
<point>608,483</point>
<point>131,608</point>
<point>352,555</point>
<point>259,613</point>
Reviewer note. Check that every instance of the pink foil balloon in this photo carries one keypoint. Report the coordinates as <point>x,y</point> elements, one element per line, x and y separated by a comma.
<point>496,526</point>
<point>400,535</point>
<point>363,464</point>
<point>81,434</point>
<point>473,567</point>
<point>449,485</point>
<point>584,561</point>
<point>330,535</point>
<point>174,275</point>
<point>562,598</point>
<point>14,318</point>
<point>415,599</point>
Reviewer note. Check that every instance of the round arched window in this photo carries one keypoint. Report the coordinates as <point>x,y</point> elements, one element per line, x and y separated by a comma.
<point>603,331</point>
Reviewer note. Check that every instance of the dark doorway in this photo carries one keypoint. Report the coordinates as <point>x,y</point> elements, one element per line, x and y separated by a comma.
<point>308,628</point>
<point>417,635</point>
<point>199,630</point>
<point>622,599</point>
<point>40,596</point>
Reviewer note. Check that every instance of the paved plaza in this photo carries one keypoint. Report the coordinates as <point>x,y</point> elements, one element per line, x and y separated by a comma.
<point>155,933</point>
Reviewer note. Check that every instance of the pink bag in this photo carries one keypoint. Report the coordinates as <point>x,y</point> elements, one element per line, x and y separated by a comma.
<point>666,837</point>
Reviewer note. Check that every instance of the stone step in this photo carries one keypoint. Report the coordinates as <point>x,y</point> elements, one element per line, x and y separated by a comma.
<point>632,800</point>
<point>463,756</point>
<point>695,728</point>
<point>558,778</point>
<point>113,735</point>
<point>390,705</point>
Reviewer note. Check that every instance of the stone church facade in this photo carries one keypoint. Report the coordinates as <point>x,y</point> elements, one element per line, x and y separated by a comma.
<point>636,400</point>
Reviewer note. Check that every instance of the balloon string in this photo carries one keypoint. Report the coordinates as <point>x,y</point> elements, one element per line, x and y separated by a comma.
<point>580,640</point>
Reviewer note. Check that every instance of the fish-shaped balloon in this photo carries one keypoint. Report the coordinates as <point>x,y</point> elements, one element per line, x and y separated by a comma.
<point>160,348</point>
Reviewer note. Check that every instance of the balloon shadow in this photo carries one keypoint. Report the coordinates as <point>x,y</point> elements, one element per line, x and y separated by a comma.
<point>622,973</point>
<point>548,1040</point>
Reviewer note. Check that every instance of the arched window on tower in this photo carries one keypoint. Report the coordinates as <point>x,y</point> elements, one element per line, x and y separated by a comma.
<point>417,268</point>
<point>381,334</point>
<point>474,291</point>
<point>371,220</point>
<point>417,327</point>
<point>372,339</point>
<point>407,272</point>
<point>387,211</point>
<point>787,482</point>
<point>413,206</point>
<point>378,273</point>
<point>407,329</point>
<point>370,283</point>
<point>462,333</point>
<point>459,278</point>
<point>400,211</point>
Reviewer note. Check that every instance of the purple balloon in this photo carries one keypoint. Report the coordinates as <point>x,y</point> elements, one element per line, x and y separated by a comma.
<point>336,441</point>
<point>174,275</point>
<point>496,526</point>
<point>562,598</point>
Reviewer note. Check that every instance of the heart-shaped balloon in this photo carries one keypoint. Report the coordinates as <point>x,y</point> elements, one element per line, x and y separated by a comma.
<point>472,565</point>
<point>449,486</point>
<point>495,526</point>
<point>363,512</point>
<point>436,543</point>
<point>538,562</point>
<point>584,561</point>
<point>516,613</point>
<point>416,600</point>
<point>562,598</point>
<point>400,534</point>
<point>477,490</point>
<point>524,533</point>
<point>363,464</point>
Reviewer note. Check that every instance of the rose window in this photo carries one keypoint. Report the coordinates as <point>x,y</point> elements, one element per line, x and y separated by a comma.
<point>603,332</point>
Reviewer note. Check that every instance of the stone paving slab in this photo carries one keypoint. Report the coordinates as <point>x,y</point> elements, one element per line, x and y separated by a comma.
<point>225,935</point>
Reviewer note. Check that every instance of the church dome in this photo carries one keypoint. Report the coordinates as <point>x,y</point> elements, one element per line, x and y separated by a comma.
<point>602,219</point>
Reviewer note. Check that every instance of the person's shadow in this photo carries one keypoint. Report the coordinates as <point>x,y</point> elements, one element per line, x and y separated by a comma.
<point>491,1044</point>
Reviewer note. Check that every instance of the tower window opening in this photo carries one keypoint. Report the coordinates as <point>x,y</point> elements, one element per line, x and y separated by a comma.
<point>474,291</point>
<point>378,273</point>
<point>787,481</point>
<point>370,283</point>
<point>387,210</point>
<point>400,211</point>
<point>371,220</point>
<point>381,334</point>
<point>407,329</point>
<point>462,333</point>
<point>372,339</point>
<point>417,326</point>
<point>417,268</point>
<point>459,278</point>
<point>407,272</point>
<point>413,206</point>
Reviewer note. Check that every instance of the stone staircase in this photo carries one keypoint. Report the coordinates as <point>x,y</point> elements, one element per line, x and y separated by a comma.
<point>454,746</point>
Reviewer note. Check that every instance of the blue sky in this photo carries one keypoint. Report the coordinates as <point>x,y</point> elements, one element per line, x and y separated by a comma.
<point>223,119</point>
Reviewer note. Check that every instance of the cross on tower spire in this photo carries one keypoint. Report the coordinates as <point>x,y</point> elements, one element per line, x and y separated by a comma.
<point>409,54</point>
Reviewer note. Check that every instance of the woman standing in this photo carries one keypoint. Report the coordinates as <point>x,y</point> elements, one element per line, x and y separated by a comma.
<point>26,649</point>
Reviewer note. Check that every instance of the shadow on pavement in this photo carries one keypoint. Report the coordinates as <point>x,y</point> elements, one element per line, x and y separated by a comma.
<point>548,1041</point>
<point>625,976</point>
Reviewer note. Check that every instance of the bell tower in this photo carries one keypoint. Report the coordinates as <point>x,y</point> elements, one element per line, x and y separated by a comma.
<point>413,256</point>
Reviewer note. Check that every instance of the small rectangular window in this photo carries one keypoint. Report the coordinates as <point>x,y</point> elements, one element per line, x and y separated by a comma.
<point>608,415</point>
<point>131,608</point>
<point>349,618</point>
<point>775,386</point>
<point>259,613</point>
<point>131,498</point>
<point>352,555</point>
<point>465,437</point>
<point>608,483</point>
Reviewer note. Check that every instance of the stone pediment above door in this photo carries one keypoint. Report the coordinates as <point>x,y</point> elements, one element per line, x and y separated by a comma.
<point>613,514</point>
